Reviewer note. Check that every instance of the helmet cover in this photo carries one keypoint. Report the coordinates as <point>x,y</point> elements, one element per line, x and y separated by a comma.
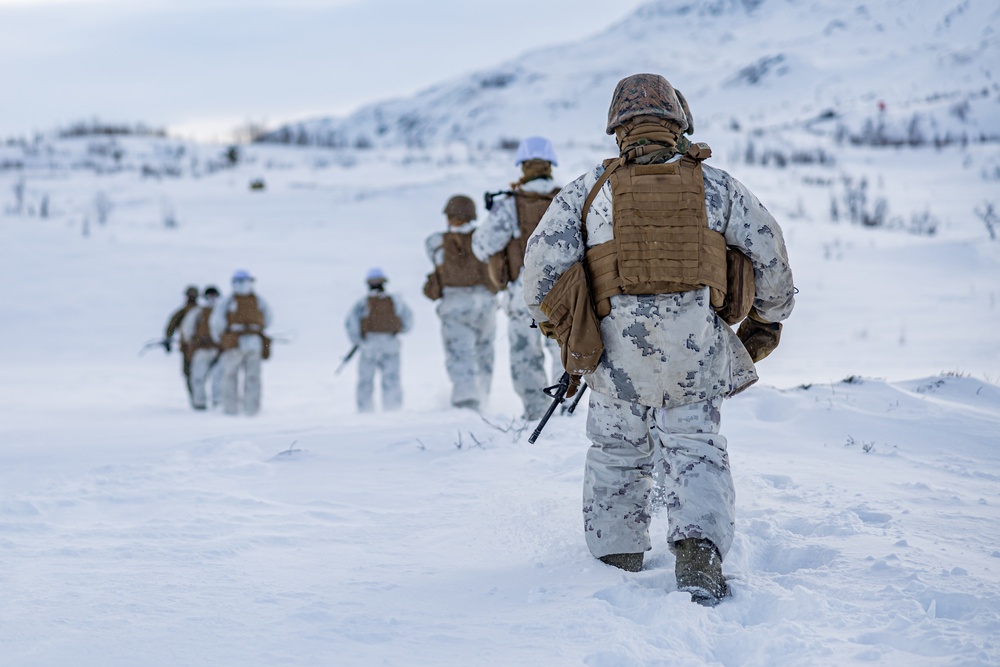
<point>645,95</point>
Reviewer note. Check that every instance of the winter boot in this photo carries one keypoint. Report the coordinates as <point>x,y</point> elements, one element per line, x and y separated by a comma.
<point>627,562</point>
<point>699,571</point>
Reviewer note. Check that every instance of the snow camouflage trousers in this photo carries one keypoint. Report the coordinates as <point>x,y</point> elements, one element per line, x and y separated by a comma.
<point>379,352</point>
<point>233,361</point>
<point>618,478</point>
<point>527,355</point>
<point>468,328</point>
<point>201,359</point>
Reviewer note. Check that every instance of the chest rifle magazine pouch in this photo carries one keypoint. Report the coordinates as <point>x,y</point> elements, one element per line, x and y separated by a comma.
<point>572,321</point>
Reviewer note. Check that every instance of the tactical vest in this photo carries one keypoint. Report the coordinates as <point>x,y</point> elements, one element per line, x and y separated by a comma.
<point>246,319</point>
<point>662,242</point>
<point>460,267</point>
<point>202,339</point>
<point>531,206</point>
<point>381,317</point>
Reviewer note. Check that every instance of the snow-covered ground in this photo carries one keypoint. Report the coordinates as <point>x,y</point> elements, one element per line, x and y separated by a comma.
<point>136,531</point>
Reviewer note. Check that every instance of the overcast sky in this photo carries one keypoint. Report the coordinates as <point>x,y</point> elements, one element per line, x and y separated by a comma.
<point>204,66</point>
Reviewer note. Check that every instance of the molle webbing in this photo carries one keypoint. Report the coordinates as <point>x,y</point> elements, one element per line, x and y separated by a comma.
<point>381,317</point>
<point>246,319</point>
<point>531,206</point>
<point>460,267</point>
<point>662,243</point>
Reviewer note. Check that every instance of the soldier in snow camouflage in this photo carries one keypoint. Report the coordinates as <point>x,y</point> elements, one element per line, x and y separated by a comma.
<point>669,360</point>
<point>466,305</point>
<point>501,231</point>
<point>374,324</point>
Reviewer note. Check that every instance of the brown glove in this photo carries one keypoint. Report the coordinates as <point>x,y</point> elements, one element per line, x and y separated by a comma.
<point>574,385</point>
<point>758,336</point>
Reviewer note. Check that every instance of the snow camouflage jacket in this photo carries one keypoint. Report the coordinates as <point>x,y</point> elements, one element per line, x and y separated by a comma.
<point>501,226</point>
<point>360,310</point>
<point>665,350</point>
<point>218,321</point>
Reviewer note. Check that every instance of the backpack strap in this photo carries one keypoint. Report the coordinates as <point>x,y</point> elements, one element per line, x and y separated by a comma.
<point>609,167</point>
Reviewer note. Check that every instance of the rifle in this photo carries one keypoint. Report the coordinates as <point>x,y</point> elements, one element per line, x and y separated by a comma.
<point>156,342</point>
<point>489,196</point>
<point>346,359</point>
<point>576,401</point>
<point>558,394</point>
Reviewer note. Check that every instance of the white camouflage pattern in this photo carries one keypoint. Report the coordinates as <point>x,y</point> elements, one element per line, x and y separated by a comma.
<point>378,352</point>
<point>618,477</point>
<point>468,328</point>
<point>201,368</point>
<point>201,364</point>
<point>527,345</point>
<point>233,362</point>
<point>243,360</point>
<point>668,363</point>
<point>665,350</point>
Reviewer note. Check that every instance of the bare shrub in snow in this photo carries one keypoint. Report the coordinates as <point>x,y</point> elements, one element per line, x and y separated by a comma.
<point>169,215</point>
<point>18,189</point>
<point>102,207</point>
<point>988,214</point>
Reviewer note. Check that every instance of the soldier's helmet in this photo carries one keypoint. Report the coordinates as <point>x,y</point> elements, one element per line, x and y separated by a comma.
<point>376,277</point>
<point>647,95</point>
<point>535,148</point>
<point>212,291</point>
<point>191,293</point>
<point>460,207</point>
<point>242,275</point>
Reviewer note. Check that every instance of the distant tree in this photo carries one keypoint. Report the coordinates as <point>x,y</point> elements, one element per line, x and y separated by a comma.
<point>102,207</point>
<point>18,188</point>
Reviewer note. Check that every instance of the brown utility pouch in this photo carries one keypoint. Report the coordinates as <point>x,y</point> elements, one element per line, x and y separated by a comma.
<point>498,271</point>
<point>265,347</point>
<point>433,288</point>
<point>572,321</point>
<point>229,340</point>
<point>740,287</point>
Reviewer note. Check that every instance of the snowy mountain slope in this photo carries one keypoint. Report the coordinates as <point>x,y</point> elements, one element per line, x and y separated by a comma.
<point>134,530</point>
<point>759,64</point>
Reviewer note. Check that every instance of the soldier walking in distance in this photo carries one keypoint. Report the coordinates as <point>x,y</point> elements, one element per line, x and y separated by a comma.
<point>467,305</point>
<point>173,325</point>
<point>500,242</point>
<point>204,351</point>
<point>373,325</point>
<point>664,244</point>
<point>237,324</point>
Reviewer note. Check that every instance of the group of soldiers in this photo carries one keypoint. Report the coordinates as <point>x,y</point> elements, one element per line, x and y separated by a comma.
<point>633,276</point>
<point>222,339</point>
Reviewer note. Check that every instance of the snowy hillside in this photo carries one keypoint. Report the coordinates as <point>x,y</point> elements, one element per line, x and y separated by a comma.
<point>134,531</point>
<point>762,65</point>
